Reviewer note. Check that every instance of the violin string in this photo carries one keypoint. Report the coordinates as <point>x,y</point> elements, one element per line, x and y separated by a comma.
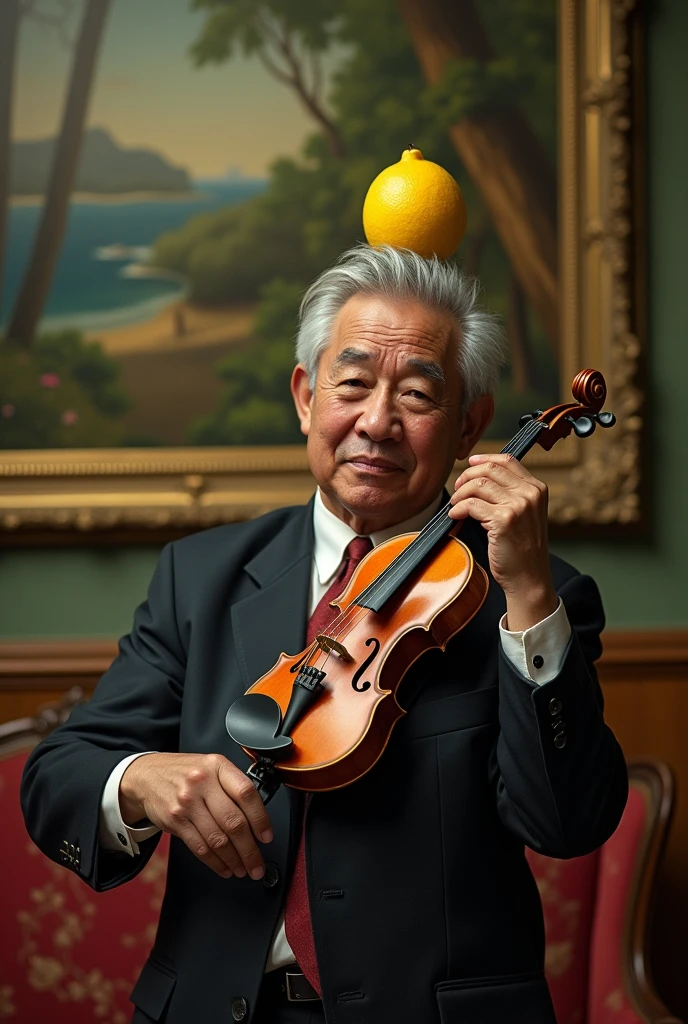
<point>346,620</point>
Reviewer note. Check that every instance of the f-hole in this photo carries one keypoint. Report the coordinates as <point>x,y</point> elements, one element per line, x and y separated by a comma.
<point>362,687</point>
<point>297,664</point>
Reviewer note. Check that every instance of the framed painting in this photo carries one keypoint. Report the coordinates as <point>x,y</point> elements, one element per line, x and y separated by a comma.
<point>165,198</point>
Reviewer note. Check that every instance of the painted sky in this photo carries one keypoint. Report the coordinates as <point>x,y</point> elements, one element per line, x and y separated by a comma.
<point>148,93</point>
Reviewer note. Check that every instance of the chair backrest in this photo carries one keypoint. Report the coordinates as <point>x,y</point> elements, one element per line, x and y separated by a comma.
<point>568,890</point>
<point>66,955</point>
<point>597,913</point>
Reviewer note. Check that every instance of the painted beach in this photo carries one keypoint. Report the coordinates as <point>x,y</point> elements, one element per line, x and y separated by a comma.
<point>106,288</point>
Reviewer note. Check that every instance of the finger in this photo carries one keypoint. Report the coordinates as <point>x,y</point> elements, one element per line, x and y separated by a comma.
<point>485,488</point>
<point>492,471</point>
<point>242,791</point>
<point>486,512</point>
<point>217,839</point>
<point>235,826</point>
<point>507,461</point>
<point>229,821</point>
<point>520,501</point>
<point>192,838</point>
<point>501,473</point>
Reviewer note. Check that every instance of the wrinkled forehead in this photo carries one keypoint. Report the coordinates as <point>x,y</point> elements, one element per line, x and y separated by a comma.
<point>377,329</point>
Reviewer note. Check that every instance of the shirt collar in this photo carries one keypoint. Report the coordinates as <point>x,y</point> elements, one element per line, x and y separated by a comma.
<point>332,536</point>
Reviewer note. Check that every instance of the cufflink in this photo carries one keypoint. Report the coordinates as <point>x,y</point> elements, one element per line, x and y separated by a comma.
<point>70,854</point>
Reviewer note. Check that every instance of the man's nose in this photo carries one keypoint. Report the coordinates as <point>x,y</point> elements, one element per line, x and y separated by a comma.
<point>380,419</point>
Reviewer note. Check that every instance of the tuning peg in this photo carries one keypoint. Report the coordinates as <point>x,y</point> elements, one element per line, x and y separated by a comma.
<point>605,419</point>
<point>528,416</point>
<point>584,426</point>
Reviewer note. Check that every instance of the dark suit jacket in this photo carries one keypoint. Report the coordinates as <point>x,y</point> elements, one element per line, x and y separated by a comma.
<point>423,905</point>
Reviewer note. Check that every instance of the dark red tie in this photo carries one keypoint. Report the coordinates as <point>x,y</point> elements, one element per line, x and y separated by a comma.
<point>297,915</point>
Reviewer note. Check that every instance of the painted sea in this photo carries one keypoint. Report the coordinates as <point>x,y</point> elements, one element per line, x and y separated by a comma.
<point>94,287</point>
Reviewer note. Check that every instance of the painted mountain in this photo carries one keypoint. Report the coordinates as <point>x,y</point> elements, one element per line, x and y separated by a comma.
<point>104,167</point>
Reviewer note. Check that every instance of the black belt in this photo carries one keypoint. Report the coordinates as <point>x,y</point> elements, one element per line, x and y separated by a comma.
<point>290,985</point>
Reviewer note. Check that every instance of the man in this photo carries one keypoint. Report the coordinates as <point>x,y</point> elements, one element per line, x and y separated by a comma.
<point>405,896</point>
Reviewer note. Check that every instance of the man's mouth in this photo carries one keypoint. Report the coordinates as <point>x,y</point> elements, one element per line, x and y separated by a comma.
<point>372,464</point>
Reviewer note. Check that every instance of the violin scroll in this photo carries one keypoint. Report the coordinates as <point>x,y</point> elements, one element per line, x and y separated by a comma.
<point>581,416</point>
<point>589,389</point>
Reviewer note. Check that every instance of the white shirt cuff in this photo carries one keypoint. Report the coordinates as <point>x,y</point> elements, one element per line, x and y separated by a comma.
<point>113,834</point>
<point>538,653</point>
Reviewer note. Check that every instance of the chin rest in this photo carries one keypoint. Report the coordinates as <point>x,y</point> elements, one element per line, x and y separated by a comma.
<point>254,721</point>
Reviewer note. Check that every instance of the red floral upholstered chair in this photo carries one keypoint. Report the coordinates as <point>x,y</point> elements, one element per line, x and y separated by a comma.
<point>66,954</point>
<point>597,913</point>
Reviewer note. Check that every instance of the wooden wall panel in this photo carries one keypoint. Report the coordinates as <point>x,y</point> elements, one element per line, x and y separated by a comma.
<point>34,673</point>
<point>645,681</point>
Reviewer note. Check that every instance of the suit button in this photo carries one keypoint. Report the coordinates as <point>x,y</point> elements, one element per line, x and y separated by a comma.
<point>538,661</point>
<point>239,1008</point>
<point>560,740</point>
<point>271,876</point>
<point>121,839</point>
<point>555,707</point>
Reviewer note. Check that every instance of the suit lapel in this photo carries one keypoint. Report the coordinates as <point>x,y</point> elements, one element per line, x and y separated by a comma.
<point>273,619</point>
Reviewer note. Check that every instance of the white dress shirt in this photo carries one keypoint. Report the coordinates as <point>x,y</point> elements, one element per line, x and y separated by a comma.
<point>544,643</point>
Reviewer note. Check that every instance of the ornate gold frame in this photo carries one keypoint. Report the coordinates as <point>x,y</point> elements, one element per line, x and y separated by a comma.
<point>593,484</point>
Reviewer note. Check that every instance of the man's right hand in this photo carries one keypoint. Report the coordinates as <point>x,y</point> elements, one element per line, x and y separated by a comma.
<point>206,801</point>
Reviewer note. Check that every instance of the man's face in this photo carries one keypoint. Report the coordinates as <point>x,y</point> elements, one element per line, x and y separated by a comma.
<point>383,421</point>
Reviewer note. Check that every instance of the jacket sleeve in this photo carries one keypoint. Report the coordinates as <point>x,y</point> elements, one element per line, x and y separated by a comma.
<point>560,774</point>
<point>135,707</point>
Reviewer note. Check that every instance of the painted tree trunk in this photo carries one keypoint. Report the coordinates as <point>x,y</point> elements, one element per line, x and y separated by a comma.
<point>9,25</point>
<point>35,286</point>
<point>500,151</point>
<point>523,369</point>
<point>330,131</point>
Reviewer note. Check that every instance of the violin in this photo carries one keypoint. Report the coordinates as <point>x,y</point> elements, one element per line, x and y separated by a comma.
<point>321,719</point>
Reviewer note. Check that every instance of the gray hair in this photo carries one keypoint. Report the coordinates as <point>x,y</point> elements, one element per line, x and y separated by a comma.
<point>401,273</point>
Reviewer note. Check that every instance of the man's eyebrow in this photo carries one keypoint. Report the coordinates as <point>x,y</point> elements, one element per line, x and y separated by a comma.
<point>429,368</point>
<point>352,355</point>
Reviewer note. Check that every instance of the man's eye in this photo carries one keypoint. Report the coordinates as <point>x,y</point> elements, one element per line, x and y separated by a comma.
<point>414,393</point>
<point>353,382</point>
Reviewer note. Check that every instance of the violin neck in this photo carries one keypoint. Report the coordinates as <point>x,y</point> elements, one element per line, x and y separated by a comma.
<point>376,595</point>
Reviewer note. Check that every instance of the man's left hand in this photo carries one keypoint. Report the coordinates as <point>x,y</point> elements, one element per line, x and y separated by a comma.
<point>511,504</point>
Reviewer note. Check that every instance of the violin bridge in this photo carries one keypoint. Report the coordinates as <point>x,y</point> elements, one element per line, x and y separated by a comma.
<point>328,644</point>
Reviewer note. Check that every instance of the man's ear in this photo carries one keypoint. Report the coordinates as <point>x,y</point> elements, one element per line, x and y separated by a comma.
<point>303,396</point>
<point>475,423</point>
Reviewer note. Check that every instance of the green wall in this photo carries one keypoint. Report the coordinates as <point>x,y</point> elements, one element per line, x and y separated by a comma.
<point>92,592</point>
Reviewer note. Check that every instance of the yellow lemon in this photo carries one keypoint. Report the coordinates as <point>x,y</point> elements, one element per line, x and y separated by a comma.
<point>416,205</point>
